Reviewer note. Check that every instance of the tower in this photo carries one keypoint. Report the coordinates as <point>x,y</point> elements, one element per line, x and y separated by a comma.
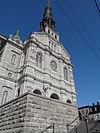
<point>41,66</point>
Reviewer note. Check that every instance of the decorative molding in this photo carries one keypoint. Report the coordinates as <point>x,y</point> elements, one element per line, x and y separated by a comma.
<point>7,87</point>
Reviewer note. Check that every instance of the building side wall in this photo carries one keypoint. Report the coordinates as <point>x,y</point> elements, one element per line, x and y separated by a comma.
<point>32,113</point>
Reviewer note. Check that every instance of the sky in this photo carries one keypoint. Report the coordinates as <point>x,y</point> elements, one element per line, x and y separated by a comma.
<point>79,28</point>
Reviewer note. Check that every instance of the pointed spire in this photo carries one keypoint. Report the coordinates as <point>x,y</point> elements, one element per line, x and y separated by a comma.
<point>48,3</point>
<point>47,18</point>
<point>16,35</point>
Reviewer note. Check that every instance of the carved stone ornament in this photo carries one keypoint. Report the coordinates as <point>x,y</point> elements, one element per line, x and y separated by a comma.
<point>9,75</point>
<point>53,65</point>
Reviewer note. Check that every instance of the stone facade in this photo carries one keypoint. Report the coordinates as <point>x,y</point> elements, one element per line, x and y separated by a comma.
<point>31,113</point>
<point>19,70</point>
<point>39,65</point>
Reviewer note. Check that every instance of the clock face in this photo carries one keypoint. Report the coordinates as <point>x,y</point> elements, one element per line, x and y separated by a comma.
<point>53,65</point>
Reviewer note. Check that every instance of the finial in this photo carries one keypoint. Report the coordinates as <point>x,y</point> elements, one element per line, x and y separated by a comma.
<point>48,3</point>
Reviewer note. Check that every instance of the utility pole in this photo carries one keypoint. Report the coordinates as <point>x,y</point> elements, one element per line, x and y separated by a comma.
<point>86,125</point>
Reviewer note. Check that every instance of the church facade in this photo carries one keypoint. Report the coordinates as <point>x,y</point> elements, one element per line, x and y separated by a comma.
<point>39,65</point>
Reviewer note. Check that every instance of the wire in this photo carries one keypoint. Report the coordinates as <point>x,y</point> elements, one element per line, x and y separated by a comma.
<point>96,4</point>
<point>84,27</point>
<point>67,17</point>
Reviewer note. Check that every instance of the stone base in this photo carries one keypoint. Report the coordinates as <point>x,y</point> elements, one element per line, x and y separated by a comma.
<point>31,113</point>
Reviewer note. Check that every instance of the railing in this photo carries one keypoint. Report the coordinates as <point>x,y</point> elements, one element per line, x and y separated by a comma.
<point>62,127</point>
<point>75,122</point>
<point>47,128</point>
<point>85,124</point>
<point>73,127</point>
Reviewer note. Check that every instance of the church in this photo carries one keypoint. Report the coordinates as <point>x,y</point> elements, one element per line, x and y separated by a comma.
<point>36,80</point>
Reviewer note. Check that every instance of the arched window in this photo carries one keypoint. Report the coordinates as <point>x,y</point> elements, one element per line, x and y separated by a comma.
<point>69,101</point>
<point>55,48</point>
<point>18,92</point>
<point>37,92</point>
<point>13,59</point>
<point>49,31</point>
<point>54,96</point>
<point>39,60</point>
<point>4,97</point>
<point>65,73</point>
<point>55,36</point>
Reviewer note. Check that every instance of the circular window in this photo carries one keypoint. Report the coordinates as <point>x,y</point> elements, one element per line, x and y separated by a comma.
<point>53,65</point>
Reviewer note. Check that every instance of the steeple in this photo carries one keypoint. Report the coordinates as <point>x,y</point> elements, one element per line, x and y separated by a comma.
<point>16,35</point>
<point>47,18</point>
<point>48,3</point>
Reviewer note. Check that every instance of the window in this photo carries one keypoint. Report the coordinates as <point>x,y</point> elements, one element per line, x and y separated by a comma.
<point>1,55</point>
<point>49,31</point>
<point>55,96</point>
<point>0,41</point>
<point>37,92</point>
<point>4,97</point>
<point>53,65</point>
<point>55,37</point>
<point>39,60</point>
<point>24,57</point>
<point>69,101</point>
<point>18,92</point>
<point>86,111</point>
<point>82,111</point>
<point>55,48</point>
<point>52,46</point>
<point>65,73</point>
<point>13,59</point>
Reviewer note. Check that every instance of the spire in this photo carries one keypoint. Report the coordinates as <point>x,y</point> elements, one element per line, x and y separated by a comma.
<point>47,18</point>
<point>48,3</point>
<point>16,35</point>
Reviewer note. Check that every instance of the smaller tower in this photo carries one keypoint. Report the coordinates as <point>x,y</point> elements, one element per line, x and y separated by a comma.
<point>47,18</point>
<point>16,37</point>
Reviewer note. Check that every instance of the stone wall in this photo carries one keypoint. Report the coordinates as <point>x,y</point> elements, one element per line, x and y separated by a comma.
<point>31,113</point>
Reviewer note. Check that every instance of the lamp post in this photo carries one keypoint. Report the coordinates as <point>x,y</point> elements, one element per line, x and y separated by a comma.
<point>86,125</point>
<point>53,127</point>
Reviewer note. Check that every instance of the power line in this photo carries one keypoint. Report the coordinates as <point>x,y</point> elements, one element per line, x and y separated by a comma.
<point>67,17</point>
<point>96,4</point>
<point>84,27</point>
